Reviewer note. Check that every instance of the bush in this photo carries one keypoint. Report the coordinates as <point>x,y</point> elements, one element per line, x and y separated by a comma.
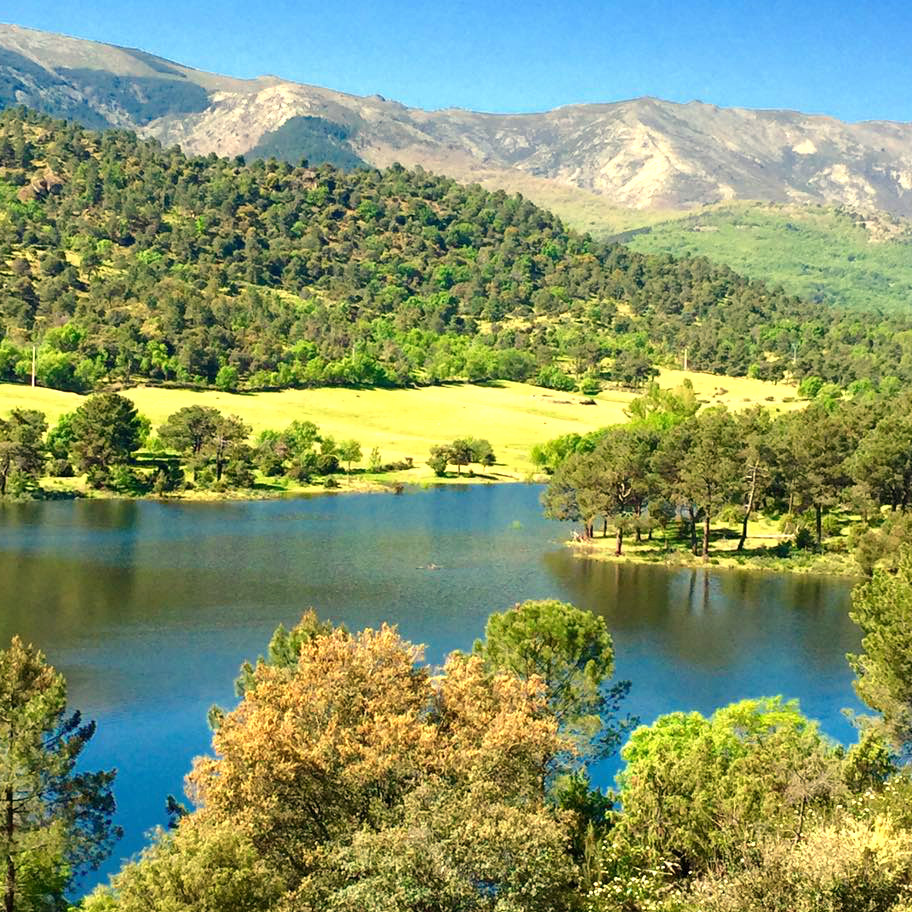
<point>830,524</point>
<point>552,377</point>
<point>237,474</point>
<point>590,386</point>
<point>60,468</point>
<point>125,480</point>
<point>168,477</point>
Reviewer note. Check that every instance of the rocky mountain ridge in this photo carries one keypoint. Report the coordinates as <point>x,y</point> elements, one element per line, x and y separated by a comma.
<point>642,154</point>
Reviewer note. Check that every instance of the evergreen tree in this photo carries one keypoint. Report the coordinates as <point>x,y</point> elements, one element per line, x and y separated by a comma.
<point>56,819</point>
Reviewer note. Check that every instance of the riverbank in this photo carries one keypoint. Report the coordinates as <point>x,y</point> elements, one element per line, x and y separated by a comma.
<point>272,488</point>
<point>765,549</point>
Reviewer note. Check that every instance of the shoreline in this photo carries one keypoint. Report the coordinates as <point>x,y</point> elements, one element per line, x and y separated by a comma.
<point>394,483</point>
<point>813,564</point>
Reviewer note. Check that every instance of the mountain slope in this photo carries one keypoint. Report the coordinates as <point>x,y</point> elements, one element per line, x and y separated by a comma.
<point>643,154</point>
<point>121,261</point>
<point>833,256</point>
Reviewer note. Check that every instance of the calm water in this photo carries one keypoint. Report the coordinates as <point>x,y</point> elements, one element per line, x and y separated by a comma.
<point>150,608</point>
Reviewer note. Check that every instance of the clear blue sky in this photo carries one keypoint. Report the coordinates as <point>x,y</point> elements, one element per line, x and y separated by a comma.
<point>851,59</point>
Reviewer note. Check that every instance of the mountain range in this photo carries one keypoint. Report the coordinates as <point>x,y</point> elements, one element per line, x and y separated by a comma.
<point>643,154</point>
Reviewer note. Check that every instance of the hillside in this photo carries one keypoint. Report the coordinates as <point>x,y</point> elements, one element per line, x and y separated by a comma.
<point>124,261</point>
<point>833,256</point>
<point>643,153</point>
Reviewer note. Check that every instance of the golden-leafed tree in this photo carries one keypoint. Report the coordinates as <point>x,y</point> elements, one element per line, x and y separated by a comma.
<point>355,778</point>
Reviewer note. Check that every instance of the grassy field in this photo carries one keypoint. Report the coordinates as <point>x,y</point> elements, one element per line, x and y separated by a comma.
<point>407,422</point>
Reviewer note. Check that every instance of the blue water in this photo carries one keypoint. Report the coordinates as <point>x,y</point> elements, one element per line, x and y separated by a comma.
<point>150,608</point>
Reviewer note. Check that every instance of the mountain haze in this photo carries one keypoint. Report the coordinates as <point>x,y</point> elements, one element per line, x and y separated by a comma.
<point>642,154</point>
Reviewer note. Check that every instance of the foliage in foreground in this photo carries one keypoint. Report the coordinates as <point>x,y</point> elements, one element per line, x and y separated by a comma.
<point>357,780</point>
<point>56,816</point>
<point>352,776</point>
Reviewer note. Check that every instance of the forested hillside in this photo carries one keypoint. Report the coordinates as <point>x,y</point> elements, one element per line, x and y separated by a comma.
<point>123,261</point>
<point>834,256</point>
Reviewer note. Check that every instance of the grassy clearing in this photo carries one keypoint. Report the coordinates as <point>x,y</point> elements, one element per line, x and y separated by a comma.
<point>760,550</point>
<point>405,423</point>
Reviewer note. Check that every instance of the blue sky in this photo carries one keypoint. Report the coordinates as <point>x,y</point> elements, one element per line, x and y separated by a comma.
<point>852,59</point>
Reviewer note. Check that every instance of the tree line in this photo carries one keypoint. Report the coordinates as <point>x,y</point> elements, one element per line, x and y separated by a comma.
<point>123,261</point>
<point>352,776</point>
<point>677,463</point>
<point>115,447</point>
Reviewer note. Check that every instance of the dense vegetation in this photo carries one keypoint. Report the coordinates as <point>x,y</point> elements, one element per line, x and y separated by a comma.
<point>832,256</point>
<point>351,776</point>
<point>121,260</point>
<point>312,138</point>
<point>838,462</point>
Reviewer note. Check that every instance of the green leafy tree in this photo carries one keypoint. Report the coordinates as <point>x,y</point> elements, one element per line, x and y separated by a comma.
<point>815,446</point>
<point>228,443</point>
<point>482,452</point>
<point>758,461</point>
<point>570,650</point>
<point>375,462</point>
<point>579,491</point>
<point>882,608</point>
<point>195,869</point>
<point>461,453</point>
<point>56,818</point>
<point>696,792</point>
<point>106,430</point>
<point>702,456</point>
<point>348,451</point>
<point>22,449</point>
<point>440,458</point>
<point>189,429</point>
<point>883,461</point>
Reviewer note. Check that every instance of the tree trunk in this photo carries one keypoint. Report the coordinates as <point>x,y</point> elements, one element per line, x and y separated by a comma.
<point>819,511</point>
<point>637,512</point>
<point>693,529</point>
<point>748,509</point>
<point>605,527</point>
<point>619,541</point>
<point>10,895</point>
<point>706,536</point>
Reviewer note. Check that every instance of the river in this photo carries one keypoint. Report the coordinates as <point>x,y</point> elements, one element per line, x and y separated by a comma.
<point>149,608</point>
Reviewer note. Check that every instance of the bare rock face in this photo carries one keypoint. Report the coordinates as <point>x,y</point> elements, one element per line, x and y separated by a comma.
<point>644,153</point>
<point>41,187</point>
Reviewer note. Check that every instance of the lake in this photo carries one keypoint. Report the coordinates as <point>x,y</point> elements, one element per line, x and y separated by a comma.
<point>149,609</point>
